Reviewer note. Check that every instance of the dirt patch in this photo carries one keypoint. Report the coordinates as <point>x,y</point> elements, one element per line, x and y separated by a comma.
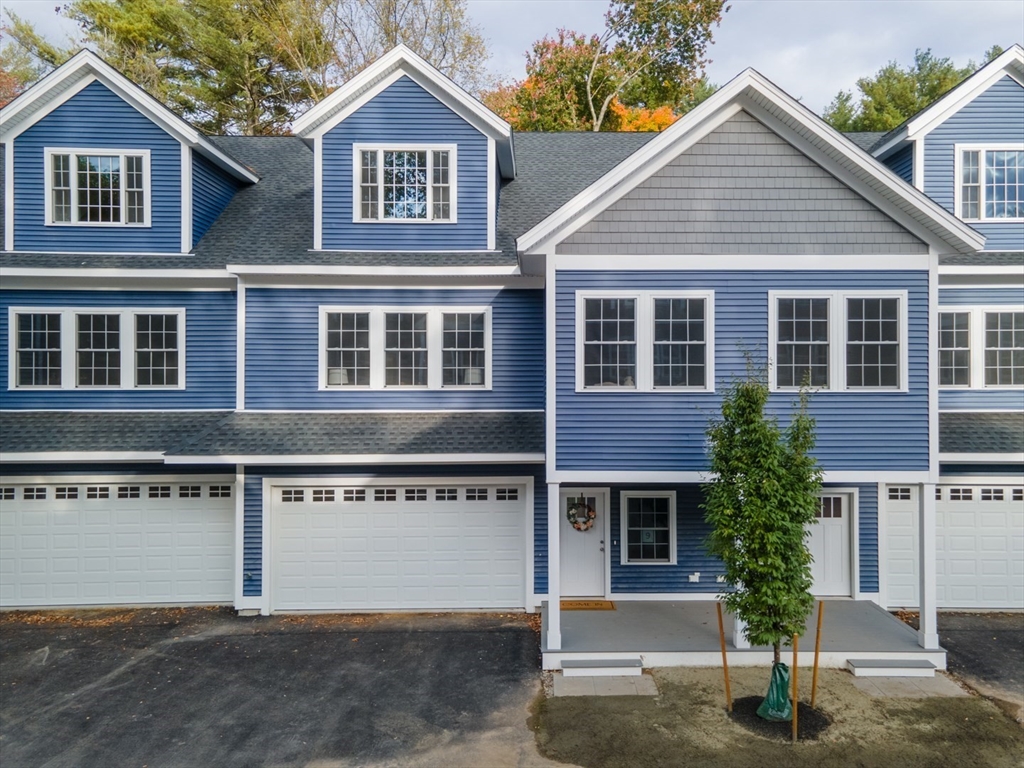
<point>688,725</point>
<point>98,618</point>
<point>811,723</point>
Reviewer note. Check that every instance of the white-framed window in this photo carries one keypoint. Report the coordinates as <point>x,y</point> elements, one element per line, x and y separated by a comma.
<point>404,183</point>
<point>989,182</point>
<point>981,347</point>
<point>405,347</point>
<point>96,348</point>
<point>645,341</point>
<point>648,522</point>
<point>97,187</point>
<point>838,340</point>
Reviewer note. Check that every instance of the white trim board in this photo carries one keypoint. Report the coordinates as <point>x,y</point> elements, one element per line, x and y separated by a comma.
<point>981,458</point>
<point>364,458</point>
<point>80,456</point>
<point>621,477</point>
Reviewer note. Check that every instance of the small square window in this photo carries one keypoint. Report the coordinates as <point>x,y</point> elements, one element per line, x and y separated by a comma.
<point>446,494</point>
<point>97,492</point>
<point>159,491</point>
<point>385,494</point>
<point>34,494</point>
<point>830,507</point>
<point>354,494</point>
<point>190,491</point>
<point>899,494</point>
<point>415,494</point>
<point>128,491</point>
<point>506,494</point>
<point>220,491</point>
<point>476,494</point>
<point>961,494</point>
<point>323,494</point>
<point>290,495</point>
<point>64,492</point>
<point>7,493</point>
<point>991,494</point>
<point>1018,494</point>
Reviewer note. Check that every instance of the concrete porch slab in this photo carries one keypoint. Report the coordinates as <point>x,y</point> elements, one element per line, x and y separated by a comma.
<point>639,685</point>
<point>908,687</point>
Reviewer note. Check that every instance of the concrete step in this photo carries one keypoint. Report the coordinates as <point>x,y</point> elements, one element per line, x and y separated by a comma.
<point>602,667</point>
<point>891,667</point>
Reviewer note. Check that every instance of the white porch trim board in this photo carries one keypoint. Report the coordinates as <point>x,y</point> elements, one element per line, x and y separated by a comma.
<point>554,636</point>
<point>928,634</point>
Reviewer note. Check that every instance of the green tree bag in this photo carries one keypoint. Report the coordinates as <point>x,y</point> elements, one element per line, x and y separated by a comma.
<point>776,706</point>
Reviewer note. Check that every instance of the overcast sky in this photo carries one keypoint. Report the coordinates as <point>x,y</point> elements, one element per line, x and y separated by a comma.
<point>811,48</point>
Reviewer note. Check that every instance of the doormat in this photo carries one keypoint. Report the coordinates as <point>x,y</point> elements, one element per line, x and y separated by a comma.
<point>588,605</point>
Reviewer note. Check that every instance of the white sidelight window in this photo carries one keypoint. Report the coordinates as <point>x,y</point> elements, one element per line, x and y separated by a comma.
<point>838,341</point>
<point>405,347</point>
<point>97,348</point>
<point>644,341</point>
<point>98,187</point>
<point>981,347</point>
<point>398,183</point>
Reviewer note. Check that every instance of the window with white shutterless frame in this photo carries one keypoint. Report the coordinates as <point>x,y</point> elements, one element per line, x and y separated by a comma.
<point>988,183</point>
<point>645,341</point>
<point>414,347</point>
<point>96,348</point>
<point>97,187</point>
<point>981,347</point>
<point>840,341</point>
<point>412,183</point>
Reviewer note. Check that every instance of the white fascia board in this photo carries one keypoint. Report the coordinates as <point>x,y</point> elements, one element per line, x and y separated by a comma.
<point>324,115</point>
<point>35,104</point>
<point>614,477</point>
<point>366,458</point>
<point>1009,62</point>
<point>894,144</point>
<point>313,269</point>
<point>116,274</point>
<point>982,269</point>
<point>80,456</point>
<point>734,97</point>
<point>981,458</point>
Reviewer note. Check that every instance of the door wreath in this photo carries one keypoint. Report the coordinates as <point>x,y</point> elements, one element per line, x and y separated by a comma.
<point>580,515</point>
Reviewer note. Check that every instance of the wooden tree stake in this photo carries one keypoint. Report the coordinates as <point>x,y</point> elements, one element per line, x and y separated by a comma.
<point>796,704</point>
<point>817,651</point>
<point>725,660</point>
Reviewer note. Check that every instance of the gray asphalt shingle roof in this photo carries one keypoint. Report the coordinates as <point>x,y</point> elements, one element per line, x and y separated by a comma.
<point>981,432</point>
<point>250,433</point>
<point>866,140</point>
<point>121,431</point>
<point>253,433</point>
<point>271,222</point>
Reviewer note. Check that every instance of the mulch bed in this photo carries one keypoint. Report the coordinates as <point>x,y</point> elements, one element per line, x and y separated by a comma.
<point>811,723</point>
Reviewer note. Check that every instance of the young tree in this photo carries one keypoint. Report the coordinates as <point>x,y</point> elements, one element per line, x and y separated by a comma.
<point>650,56</point>
<point>896,93</point>
<point>763,496</point>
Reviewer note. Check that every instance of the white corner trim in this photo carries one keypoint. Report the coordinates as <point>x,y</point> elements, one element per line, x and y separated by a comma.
<point>933,373</point>
<point>917,171</point>
<point>240,346</point>
<point>492,194</point>
<point>980,458</point>
<point>9,196</point>
<point>186,198</point>
<point>550,371</point>
<point>364,458</point>
<point>318,193</point>
<point>239,580</point>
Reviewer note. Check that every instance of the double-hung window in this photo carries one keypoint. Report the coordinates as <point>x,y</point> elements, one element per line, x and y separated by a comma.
<point>404,183</point>
<point>405,347</point>
<point>92,348</point>
<point>990,182</point>
<point>645,341</point>
<point>98,187</point>
<point>648,527</point>
<point>981,347</point>
<point>838,341</point>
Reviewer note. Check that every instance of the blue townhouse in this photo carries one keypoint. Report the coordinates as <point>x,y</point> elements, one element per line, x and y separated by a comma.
<point>407,360</point>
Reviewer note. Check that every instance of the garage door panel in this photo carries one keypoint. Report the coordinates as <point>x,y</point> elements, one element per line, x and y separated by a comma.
<point>404,547</point>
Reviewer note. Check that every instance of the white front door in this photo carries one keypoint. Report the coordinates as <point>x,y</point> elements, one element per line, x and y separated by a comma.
<point>583,551</point>
<point>829,543</point>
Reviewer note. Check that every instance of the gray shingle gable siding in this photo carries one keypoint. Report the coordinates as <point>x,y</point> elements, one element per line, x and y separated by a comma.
<point>741,190</point>
<point>981,432</point>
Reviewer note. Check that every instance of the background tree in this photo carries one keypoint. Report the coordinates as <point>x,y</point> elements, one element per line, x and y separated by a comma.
<point>251,66</point>
<point>896,94</point>
<point>650,56</point>
<point>763,496</point>
<point>17,69</point>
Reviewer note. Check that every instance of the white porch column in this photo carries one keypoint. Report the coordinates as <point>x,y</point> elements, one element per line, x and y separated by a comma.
<point>554,569</point>
<point>739,640</point>
<point>928,632</point>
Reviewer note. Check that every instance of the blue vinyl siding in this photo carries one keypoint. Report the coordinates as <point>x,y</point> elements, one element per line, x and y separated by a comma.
<point>867,536</point>
<point>902,163</point>
<point>282,336</point>
<point>406,114</point>
<point>252,555</point>
<point>665,431</point>
<point>209,350</point>
<point>212,190</point>
<point>975,399</point>
<point>97,118</point>
<point>993,117</point>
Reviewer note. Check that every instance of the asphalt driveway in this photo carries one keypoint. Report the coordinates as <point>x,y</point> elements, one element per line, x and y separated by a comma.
<point>986,650</point>
<point>204,687</point>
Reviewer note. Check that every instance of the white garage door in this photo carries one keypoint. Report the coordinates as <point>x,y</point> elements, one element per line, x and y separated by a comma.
<point>338,547</point>
<point>979,546</point>
<point>64,543</point>
<point>980,558</point>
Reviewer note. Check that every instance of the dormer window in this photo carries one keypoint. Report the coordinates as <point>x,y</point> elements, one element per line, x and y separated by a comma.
<point>405,183</point>
<point>97,187</point>
<point>990,183</point>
